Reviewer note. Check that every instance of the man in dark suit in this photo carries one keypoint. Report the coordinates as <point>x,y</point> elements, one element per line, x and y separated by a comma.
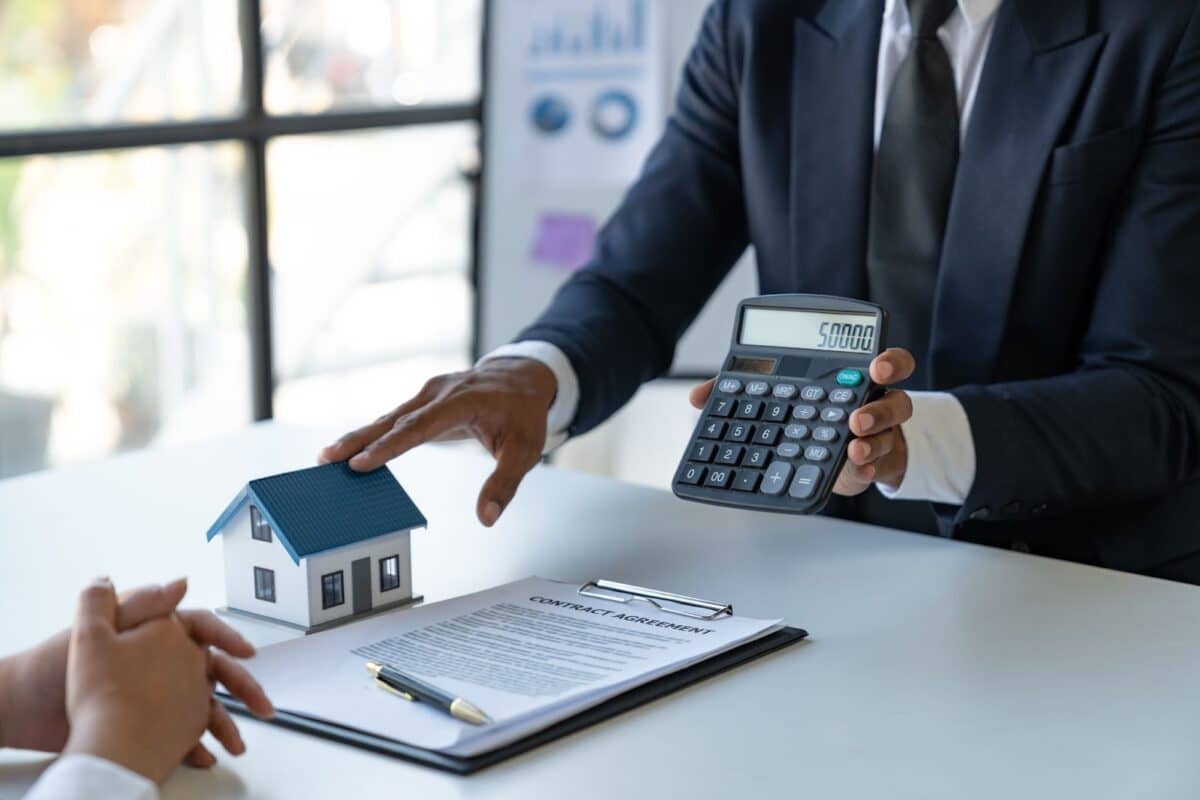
<point>1017,181</point>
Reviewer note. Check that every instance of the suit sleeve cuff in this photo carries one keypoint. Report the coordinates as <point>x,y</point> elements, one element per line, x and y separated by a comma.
<point>941,452</point>
<point>566,400</point>
<point>83,776</point>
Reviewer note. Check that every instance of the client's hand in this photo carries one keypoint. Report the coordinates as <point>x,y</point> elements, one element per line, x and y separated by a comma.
<point>879,454</point>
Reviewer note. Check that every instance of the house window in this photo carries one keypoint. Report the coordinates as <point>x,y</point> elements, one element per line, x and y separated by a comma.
<point>264,584</point>
<point>260,529</point>
<point>332,593</point>
<point>389,573</point>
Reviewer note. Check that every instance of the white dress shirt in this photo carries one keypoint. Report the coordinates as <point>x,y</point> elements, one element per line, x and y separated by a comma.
<point>941,452</point>
<point>83,777</point>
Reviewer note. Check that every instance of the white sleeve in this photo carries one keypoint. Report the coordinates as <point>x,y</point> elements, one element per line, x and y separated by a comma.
<point>566,401</point>
<point>84,777</point>
<point>941,452</point>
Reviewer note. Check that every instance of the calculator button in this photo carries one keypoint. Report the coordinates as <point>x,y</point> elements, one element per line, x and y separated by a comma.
<point>785,391</point>
<point>817,453</point>
<point>788,450</point>
<point>713,429</point>
<point>808,479</point>
<point>730,454</point>
<point>757,388</point>
<point>824,434</point>
<point>804,413</point>
<point>739,432</point>
<point>767,434</point>
<point>749,409</point>
<point>775,412</point>
<point>703,451</point>
<point>796,431</point>
<point>833,414</point>
<point>729,386</point>
<point>812,394</point>
<point>757,457</point>
<point>841,396</point>
<point>775,479</point>
<point>718,478</point>
<point>693,474</point>
<point>746,481</point>
<point>721,407</point>
<point>850,377</point>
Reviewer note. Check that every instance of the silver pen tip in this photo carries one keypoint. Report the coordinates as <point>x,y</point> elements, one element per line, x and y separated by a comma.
<point>467,712</point>
<point>374,668</point>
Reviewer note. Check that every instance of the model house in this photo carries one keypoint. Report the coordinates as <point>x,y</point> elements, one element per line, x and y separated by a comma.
<point>315,547</point>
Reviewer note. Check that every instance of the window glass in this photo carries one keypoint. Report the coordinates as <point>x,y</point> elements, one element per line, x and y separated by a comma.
<point>260,529</point>
<point>343,54</point>
<point>68,62</point>
<point>264,584</point>
<point>331,590</point>
<point>370,236</point>
<point>389,573</point>
<point>122,302</point>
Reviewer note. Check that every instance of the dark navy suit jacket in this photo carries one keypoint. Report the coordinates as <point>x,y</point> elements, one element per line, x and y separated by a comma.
<point>1067,316</point>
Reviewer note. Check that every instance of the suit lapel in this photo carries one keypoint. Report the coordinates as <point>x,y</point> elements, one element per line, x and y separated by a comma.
<point>1038,62</point>
<point>833,111</point>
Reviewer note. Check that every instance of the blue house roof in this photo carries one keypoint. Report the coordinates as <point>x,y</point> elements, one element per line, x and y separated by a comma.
<point>321,508</point>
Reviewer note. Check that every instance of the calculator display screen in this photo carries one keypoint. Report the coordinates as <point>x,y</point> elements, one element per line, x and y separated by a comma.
<point>809,330</point>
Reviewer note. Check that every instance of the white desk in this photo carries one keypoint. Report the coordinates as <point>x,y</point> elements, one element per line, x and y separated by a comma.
<point>934,670</point>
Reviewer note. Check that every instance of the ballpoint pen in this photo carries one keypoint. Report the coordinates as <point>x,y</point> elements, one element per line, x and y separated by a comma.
<point>413,689</point>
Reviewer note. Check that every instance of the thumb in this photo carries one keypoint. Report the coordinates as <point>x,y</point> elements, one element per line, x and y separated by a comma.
<point>512,462</point>
<point>97,604</point>
<point>699,395</point>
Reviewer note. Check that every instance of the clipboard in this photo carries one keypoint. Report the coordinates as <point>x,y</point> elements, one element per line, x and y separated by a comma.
<point>609,591</point>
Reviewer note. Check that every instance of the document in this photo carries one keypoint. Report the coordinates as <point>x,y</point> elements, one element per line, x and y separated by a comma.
<point>529,654</point>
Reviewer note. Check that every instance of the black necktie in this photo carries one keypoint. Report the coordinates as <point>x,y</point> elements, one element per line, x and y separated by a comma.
<point>912,184</point>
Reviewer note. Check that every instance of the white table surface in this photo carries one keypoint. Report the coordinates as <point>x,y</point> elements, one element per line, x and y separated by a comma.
<point>935,669</point>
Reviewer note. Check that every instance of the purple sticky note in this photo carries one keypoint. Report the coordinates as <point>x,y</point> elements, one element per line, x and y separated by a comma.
<point>564,241</point>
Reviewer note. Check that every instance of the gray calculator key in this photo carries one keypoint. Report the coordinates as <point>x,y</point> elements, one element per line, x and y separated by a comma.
<point>804,413</point>
<point>746,481</point>
<point>719,477</point>
<point>692,474</point>
<point>713,429</point>
<point>740,432</point>
<point>775,412</point>
<point>749,409</point>
<point>730,454</point>
<point>767,434</point>
<point>796,432</point>
<point>832,414</point>
<point>806,483</point>
<point>812,394</point>
<point>703,451</point>
<point>757,457</point>
<point>842,396</point>
<point>775,479</point>
<point>729,386</point>
<point>825,434</point>
<point>721,407</point>
<point>757,388</point>
<point>785,391</point>
<point>788,450</point>
<point>817,453</point>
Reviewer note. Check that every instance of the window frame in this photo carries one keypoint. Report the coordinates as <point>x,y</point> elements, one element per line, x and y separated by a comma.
<point>269,576</point>
<point>259,523</point>
<point>254,127</point>
<point>383,576</point>
<point>340,575</point>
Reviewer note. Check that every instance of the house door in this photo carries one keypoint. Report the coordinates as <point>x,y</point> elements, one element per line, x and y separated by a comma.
<point>360,582</point>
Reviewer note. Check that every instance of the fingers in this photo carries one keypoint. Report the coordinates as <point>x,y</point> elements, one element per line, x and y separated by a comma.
<point>409,431</point>
<point>97,605</point>
<point>354,442</point>
<point>149,602</point>
<point>894,409</point>
<point>200,757</point>
<point>241,685</point>
<point>223,728</point>
<point>893,366</point>
<point>862,452</point>
<point>699,394</point>
<point>513,461</point>
<point>208,631</point>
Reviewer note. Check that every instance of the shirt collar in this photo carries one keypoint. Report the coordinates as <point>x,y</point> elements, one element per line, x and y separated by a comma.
<point>976,12</point>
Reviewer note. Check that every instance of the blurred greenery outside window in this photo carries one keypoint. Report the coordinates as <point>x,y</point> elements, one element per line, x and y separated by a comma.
<point>124,274</point>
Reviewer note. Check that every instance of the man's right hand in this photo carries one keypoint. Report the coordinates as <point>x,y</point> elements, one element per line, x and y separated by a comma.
<point>502,402</point>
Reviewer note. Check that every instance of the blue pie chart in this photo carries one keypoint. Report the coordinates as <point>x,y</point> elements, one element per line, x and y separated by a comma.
<point>614,115</point>
<point>550,114</point>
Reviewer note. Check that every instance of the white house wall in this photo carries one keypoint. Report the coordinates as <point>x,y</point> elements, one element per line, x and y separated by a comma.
<point>394,544</point>
<point>242,554</point>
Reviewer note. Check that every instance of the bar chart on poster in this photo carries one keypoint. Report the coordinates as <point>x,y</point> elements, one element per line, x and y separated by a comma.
<point>579,92</point>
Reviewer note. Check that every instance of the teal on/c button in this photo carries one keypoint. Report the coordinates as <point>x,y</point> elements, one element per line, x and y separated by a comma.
<point>849,377</point>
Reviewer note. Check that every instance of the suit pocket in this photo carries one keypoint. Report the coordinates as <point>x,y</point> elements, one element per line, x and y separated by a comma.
<point>1101,156</point>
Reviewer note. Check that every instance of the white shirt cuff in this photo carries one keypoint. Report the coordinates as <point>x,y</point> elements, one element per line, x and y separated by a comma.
<point>566,401</point>
<point>941,452</point>
<point>83,776</point>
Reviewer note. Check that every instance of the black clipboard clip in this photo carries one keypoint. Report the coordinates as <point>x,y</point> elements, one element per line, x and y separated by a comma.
<point>614,592</point>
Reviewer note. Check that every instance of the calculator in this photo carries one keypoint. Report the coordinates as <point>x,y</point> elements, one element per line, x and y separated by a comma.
<point>774,433</point>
